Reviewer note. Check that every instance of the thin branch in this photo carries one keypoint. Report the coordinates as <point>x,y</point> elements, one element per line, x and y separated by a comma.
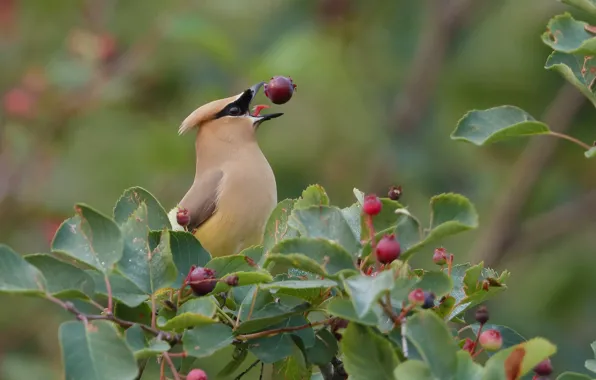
<point>109,291</point>
<point>570,138</point>
<point>167,358</point>
<point>501,228</point>
<point>247,370</point>
<point>390,313</point>
<point>262,334</point>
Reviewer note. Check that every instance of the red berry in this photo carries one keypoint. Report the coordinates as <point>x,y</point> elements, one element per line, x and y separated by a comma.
<point>232,280</point>
<point>481,315</point>
<point>388,249</point>
<point>416,297</point>
<point>196,374</point>
<point>468,345</point>
<point>372,205</point>
<point>440,256</point>
<point>394,193</point>
<point>279,89</point>
<point>182,217</point>
<point>544,368</point>
<point>491,340</point>
<point>202,280</point>
<point>19,102</point>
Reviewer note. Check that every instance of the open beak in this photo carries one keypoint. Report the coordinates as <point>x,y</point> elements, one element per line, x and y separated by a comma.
<point>248,96</point>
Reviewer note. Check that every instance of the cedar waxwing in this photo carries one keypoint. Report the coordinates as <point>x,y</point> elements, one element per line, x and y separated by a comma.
<point>234,189</point>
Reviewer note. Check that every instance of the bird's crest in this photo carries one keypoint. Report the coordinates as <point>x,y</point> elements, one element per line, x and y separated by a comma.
<point>205,113</point>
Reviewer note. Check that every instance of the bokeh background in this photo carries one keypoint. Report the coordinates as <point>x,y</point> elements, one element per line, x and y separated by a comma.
<point>93,92</point>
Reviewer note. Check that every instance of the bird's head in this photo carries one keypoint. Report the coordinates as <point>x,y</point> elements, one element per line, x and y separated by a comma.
<point>230,116</point>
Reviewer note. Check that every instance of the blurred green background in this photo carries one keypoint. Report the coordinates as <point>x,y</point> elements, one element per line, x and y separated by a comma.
<point>93,93</point>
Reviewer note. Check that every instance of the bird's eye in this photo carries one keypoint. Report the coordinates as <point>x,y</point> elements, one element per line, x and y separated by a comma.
<point>235,111</point>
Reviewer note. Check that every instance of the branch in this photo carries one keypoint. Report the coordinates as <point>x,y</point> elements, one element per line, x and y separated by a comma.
<point>491,244</point>
<point>167,358</point>
<point>70,307</point>
<point>262,334</point>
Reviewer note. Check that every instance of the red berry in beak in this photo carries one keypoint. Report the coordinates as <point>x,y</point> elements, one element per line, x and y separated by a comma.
<point>182,217</point>
<point>279,89</point>
<point>544,368</point>
<point>202,280</point>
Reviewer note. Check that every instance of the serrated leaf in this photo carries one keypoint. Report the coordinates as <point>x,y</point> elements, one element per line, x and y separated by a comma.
<point>413,369</point>
<point>205,340</point>
<point>510,336</point>
<point>84,349</point>
<point>434,342</point>
<point>579,70</point>
<point>229,264</point>
<point>344,308</point>
<point>535,351</point>
<point>186,252</point>
<point>471,278</point>
<point>437,282</point>
<point>565,34</point>
<point>91,238</point>
<point>193,313</point>
<point>123,290</point>
<point>587,5</point>
<point>271,314</point>
<point>310,290</point>
<point>294,367</point>
<point>325,222</point>
<point>277,227</point>
<point>144,347</point>
<point>300,284</point>
<point>324,349</point>
<point>244,279</point>
<point>147,259</point>
<point>131,200</point>
<point>573,376</point>
<point>330,257</point>
<point>366,354</point>
<point>313,195</point>
<point>297,261</point>
<point>590,153</point>
<point>353,215</point>
<point>408,230</point>
<point>62,279</point>
<point>17,275</point>
<point>366,290</point>
<point>481,127</point>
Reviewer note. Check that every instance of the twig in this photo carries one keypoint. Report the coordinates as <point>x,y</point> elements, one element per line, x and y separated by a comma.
<point>247,370</point>
<point>490,245</point>
<point>166,356</point>
<point>262,334</point>
<point>153,311</point>
<point>68,306</point>
<point>109,291</point>
<point>252,304</point>
<point>570,138</point>
<point>389,311</point>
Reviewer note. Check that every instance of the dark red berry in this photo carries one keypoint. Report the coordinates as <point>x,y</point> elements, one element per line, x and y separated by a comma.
<point>232,280</point>
<point>544,368</point>
<point>468,345</point>
<point>196,374</point>
<point>491,340</point>
<point>388,249</point>
<point>394,193</point>
<point>182,217</point>
<point>339,323</point>
<point>440,256</point>
<point>279,89</point>
<point>202,281</point>
<point>417,297</point>
<point>429,300</point>
<point>481,315</point>
<point>372,205</point>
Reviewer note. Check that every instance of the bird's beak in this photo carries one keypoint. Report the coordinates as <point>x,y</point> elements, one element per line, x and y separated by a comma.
<point>246,99</point>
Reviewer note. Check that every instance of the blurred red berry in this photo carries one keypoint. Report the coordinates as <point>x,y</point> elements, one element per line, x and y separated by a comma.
<point>394,193</point>
<point>388,249</point>
<point>481,315</point>
<point>279,89</point>
<point>372,205</point>
<point>468,345</point>
<point>544,368</point>
<point>491,340</point>
<point>182,217</point>
<point>196,374</point>
<point>416,297</point>
<point>19,102</point>
<point>440,256</point>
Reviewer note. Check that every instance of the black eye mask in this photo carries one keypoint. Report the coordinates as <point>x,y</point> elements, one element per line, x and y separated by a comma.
<point>238,107</point>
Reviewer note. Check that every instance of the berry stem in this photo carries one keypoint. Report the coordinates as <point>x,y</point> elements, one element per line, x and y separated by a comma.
<point>162,370</point>
<point>167,358</point>
<point>153,312</point>
<point>226,316</point>
<point>109,291</point>
<point>477,353</point>
<point>569,138</point>
<point>252,304</point>
<point>280,330</point>
<point>373,240</point>
<point>240,376</point>
<point>477,338</point>
<point>449,265</point>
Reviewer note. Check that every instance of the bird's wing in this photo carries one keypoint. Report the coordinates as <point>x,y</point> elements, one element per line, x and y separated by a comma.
<point>201,200</point>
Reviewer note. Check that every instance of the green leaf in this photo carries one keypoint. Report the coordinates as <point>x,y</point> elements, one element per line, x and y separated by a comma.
<point>408,230</point>
<point>143,346</point>
<point>510,336</point>
<point>300,284</point>
<point>353,215</point>
<point>329,256</point>
<point>276,347</point>
<point>193,313</point>
<point>271,314</point>
<point>245,278</point>
<point>587,5</point>
<point>481,127</point>
<point>578,70</point>
<point>314,195</point>
<point>325,222</point>
<point>467,368</point>
<point>229,264</point>
<point>451,214</point>
<point>17,275</point>
<point>205,340</point>
<point>383,222</point>
<point>367,355</point>
<point>62,280</point>
<point>277,227</point>
<point>591,363</point>
<point>573,376</point>
<point>471,278</point>
<point>147,259</point>
<point>132,199</point>
<point>297,261</point>
<point>85,348</point>
<point>186,252</point>
<point>432,339</point>
<point>140,314</point>
<point>590,153</point>
<point>91,238</point>
<point>123,290</point>
<point>536,350</point>
<point>294,367</point>
<point>437,282</point>
<point>413,369</point>
<point>567,35</point>
<point>344,308</point>
<point>366,290</point>
<point>324,349</point>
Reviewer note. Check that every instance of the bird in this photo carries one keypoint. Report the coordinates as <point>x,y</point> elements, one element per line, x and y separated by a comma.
<point>234,189</point>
